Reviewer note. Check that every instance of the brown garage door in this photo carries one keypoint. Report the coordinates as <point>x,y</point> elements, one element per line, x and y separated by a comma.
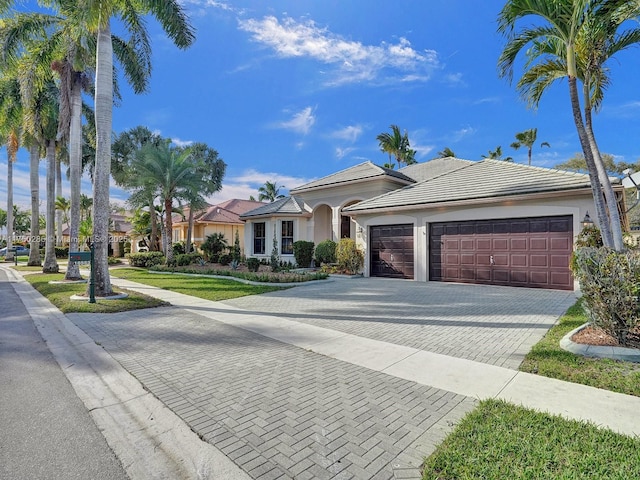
<point>391,251</point>
<point>521,252</point>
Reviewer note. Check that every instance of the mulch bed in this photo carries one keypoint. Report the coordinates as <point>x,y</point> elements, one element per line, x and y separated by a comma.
<point>596,336</point>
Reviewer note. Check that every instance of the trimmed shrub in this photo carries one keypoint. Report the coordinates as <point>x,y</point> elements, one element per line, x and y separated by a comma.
<point>326,252</point>
<point>253,264</point>
<point>187,259</point>
<point>610,285</point>
<point>224,259</point>
<point>235,250</point>
<point>146,259</point>
<point>348,256</point>
<point>62,252</point>
<point>127,247</point>
<point>213,246</point>
<point>303,253</point>
<point>113,261</point>
<point>178,248</point>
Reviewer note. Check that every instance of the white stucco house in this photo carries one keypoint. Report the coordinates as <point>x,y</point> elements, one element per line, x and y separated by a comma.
<point>488,222</point>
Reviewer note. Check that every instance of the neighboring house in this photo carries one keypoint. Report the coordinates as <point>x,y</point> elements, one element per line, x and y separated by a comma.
<point>119,234</point>
<point>221,218</point>
<point>452,220</point>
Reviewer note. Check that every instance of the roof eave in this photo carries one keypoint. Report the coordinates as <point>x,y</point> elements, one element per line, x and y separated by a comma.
<point>470,201</point>
<point>351,182</point>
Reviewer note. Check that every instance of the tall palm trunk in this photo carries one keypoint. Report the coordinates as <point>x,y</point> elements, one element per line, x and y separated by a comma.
<point>75,165</point>
<point>34,181</point>
<point>169,229</point>
<point>58,211</point>
<point>603,177</point>
<point>596,188</point>
<point>153,218</point>
<point>50,262</point>
<point>10,161</point>
<point>189,231</point>
<point>103,116</point>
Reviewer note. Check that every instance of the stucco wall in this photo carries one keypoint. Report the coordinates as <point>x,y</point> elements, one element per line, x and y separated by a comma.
<point>577,207</point>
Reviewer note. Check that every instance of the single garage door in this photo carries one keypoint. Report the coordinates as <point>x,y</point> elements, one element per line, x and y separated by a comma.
<point>521,252</point>
<point>391,251</point>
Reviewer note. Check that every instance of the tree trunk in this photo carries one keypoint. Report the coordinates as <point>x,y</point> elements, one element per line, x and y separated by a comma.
<point>530,156</point>
<point>34,181</point>
<point>189,231</point>
<point>75,166</point>
<point>103,117</point>
<point>153,218</point>
<point>603,177</point>
<point>169,228</point>
<point>50,262</point>
<point>58,194</point>
<point>596,188</point>
<point>10,160</point>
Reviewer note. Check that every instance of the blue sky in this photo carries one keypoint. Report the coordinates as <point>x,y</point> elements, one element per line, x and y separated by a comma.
<point>294,90</point>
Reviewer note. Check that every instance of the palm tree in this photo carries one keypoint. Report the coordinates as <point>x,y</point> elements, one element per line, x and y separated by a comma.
<point>170,174</point>
<point>85,206</point>
<point>270,191</point>
<point>63,205</point>
<point>10,131</point>
<point>497,155</point>
<point>528,139</point>
<point>171,17</point>
<point>211,169</point>
<point>446,152</point>
<point>396,145</point>
<point>568,41</point>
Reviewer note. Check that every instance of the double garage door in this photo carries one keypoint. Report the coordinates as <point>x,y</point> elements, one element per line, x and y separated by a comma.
<point>521,252</point>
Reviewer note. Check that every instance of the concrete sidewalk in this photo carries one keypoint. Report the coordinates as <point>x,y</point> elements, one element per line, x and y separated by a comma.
<point>281,398</point>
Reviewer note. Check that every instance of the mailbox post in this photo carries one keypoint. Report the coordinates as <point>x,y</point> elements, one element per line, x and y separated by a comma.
<point>84,257</point>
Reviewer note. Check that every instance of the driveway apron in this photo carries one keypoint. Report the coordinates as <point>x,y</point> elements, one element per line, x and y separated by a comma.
<point>488,324</point>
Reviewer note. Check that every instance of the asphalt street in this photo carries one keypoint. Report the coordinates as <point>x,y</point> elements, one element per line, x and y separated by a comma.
<point>47,433</point>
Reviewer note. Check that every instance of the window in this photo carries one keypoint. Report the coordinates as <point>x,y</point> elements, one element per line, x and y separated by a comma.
<point>287,237</point>
<point>258,238</point>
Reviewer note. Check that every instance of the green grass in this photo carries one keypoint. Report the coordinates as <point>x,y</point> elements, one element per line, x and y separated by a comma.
<point>207,288</point>
<point>59,294</point>
<point>502,441</point>
<point>546,358</point>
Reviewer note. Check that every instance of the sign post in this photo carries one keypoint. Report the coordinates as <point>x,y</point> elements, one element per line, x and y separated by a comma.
<point>84,257</point>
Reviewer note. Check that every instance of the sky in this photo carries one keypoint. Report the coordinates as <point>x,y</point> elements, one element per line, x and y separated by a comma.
<point>293,90</point>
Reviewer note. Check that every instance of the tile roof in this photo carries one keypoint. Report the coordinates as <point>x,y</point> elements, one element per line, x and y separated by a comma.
<point>478,180</point>
<point>362,171</point>
<point>433,168</point>
<point>228,211</point>
<point>283,206</point>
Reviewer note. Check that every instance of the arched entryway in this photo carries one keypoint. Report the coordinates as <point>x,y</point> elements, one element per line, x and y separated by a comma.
<point>322,230</point>
<point>347,224</point>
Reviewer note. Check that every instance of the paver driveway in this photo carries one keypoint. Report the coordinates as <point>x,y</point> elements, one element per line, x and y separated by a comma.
<point>488,324</point>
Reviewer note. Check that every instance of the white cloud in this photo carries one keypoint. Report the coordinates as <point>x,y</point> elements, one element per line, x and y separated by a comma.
<point>352,61</point>
<point>454,79</point>
<point>462,133</point>
<point>480,101</point>
<point>343,152</point>
<point>301,122</point>
<point>181,143</point>
<point>349,134</point>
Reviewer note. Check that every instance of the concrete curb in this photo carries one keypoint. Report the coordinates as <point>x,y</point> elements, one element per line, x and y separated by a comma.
<point>597,351</point>
<point>148,438</point>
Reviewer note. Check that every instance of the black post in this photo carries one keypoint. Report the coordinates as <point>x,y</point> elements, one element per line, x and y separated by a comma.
<point>92,287</point>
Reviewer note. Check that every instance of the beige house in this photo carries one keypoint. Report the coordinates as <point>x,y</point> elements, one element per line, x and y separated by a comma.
<point>451,220</point>
<point>221,218</point>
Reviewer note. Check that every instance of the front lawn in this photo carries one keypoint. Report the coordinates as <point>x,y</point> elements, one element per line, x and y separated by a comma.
<point>59,294</point>
<point>502,441</point>
<point>546,358</point>
<point>214,289</point>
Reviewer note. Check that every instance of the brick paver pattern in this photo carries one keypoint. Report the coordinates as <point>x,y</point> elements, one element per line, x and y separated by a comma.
<point>488,324</point>
<point>278,411</point>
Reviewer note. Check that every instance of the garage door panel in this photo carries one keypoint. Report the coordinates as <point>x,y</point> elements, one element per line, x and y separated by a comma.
<point>533,252</point>
<point>391,250</point>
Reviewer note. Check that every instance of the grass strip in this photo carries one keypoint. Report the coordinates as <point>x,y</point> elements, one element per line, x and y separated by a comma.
<point>498,440</point>
<point>206,288</point>
<point>546,358</point>
<point>59,294</point>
